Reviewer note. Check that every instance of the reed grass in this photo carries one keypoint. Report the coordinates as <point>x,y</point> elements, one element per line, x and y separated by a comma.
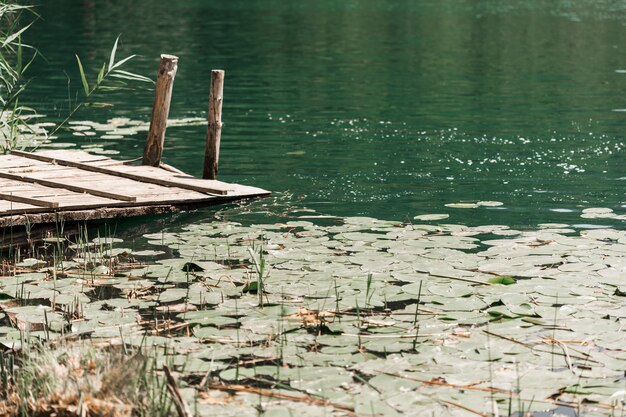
<point>15,59</point>
<point>81,379</point>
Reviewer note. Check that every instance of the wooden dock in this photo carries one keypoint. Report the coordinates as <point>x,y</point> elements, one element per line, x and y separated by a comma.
<point>70,185</point>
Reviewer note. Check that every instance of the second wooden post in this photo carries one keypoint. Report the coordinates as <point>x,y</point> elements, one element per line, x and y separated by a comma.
<point>214,130</point>
<point>160,110</point>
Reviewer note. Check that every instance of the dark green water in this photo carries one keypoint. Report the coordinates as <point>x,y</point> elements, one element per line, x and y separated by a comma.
<point>375,107</point>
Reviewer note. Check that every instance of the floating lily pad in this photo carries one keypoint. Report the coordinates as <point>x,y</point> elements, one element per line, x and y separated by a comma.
<point>148,253</point>
<point>30,263</point>
<point>504,280</point>
<point>462,205</point>
<point>490,203</point>
<point>431,217</point>
<point>597,210</point>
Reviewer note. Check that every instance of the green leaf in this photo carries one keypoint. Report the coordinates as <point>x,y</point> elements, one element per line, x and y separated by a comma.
<point>504,280</point>
<point>252,287</point>
<point>4,296</point>
<point>192,267</point>
<point>82,76</point>
<point>132,76</point>
<point>112,58</point>
<point>122,62</point>
<point>18,64</point>
<point>98,105</point>
<point>32,59</point>
<point>15,35</point>
<point>109,88</point>
<point>101,74</point>
<point>499,314</point>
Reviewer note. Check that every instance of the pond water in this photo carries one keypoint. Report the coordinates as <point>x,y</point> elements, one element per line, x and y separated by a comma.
<point>387,109</point>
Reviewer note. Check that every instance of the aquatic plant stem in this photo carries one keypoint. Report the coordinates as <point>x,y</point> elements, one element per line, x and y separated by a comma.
<point>182,408</point>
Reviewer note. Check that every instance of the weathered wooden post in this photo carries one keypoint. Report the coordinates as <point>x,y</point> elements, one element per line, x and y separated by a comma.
<point>160,110</point>
<point>214,130</point>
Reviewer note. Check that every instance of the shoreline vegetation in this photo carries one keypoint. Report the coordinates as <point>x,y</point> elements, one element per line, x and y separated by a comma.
<point>319,316</point>
<point>18,123</point>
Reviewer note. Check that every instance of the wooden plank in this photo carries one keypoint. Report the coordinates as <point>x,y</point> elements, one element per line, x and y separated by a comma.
<point>27,200</point>
<point>177,180</point>
<point>61,184</point>
<point>70,187</point>
<point>85,215</point>
<point>10,161</point>
<point>145,196</point>
<point>65,199</point>
<point>37,191</point>
<point>75,198</point>
<point>92,180</point>
<point>134,188</point>
<point>84,157</point>
<point>32,190</point>
<point>187,183</point>
<point>78,156</point>
<point>19,213</point>
<point>172,197</point>
<point>10,207</point>
<point>41,194</point>
<point>50,170</point>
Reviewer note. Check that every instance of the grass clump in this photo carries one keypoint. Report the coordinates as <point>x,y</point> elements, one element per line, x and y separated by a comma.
<point>15,59</point>
<point>84,380</point>
<point>16,128</point>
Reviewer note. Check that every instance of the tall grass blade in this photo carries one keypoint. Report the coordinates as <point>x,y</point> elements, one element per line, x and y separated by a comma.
<point>121,62</point>
<point>18,63</point>
<point>32,59</point>
<point>82,76</point>
<point>15,35</point>
<point>130,76</point>
<point>113,51</point>
<point>101,74</point>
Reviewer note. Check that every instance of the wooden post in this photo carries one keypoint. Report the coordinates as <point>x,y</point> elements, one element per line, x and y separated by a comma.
<point>160,110</point>
<point>214,130</point>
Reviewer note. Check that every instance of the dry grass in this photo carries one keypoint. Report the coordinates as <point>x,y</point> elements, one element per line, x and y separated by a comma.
<point>81,380</point>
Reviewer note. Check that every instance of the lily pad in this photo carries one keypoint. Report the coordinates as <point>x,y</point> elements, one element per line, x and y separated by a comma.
<point>490,203</point>
<point>462,205</point>
<point>431,217</point>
